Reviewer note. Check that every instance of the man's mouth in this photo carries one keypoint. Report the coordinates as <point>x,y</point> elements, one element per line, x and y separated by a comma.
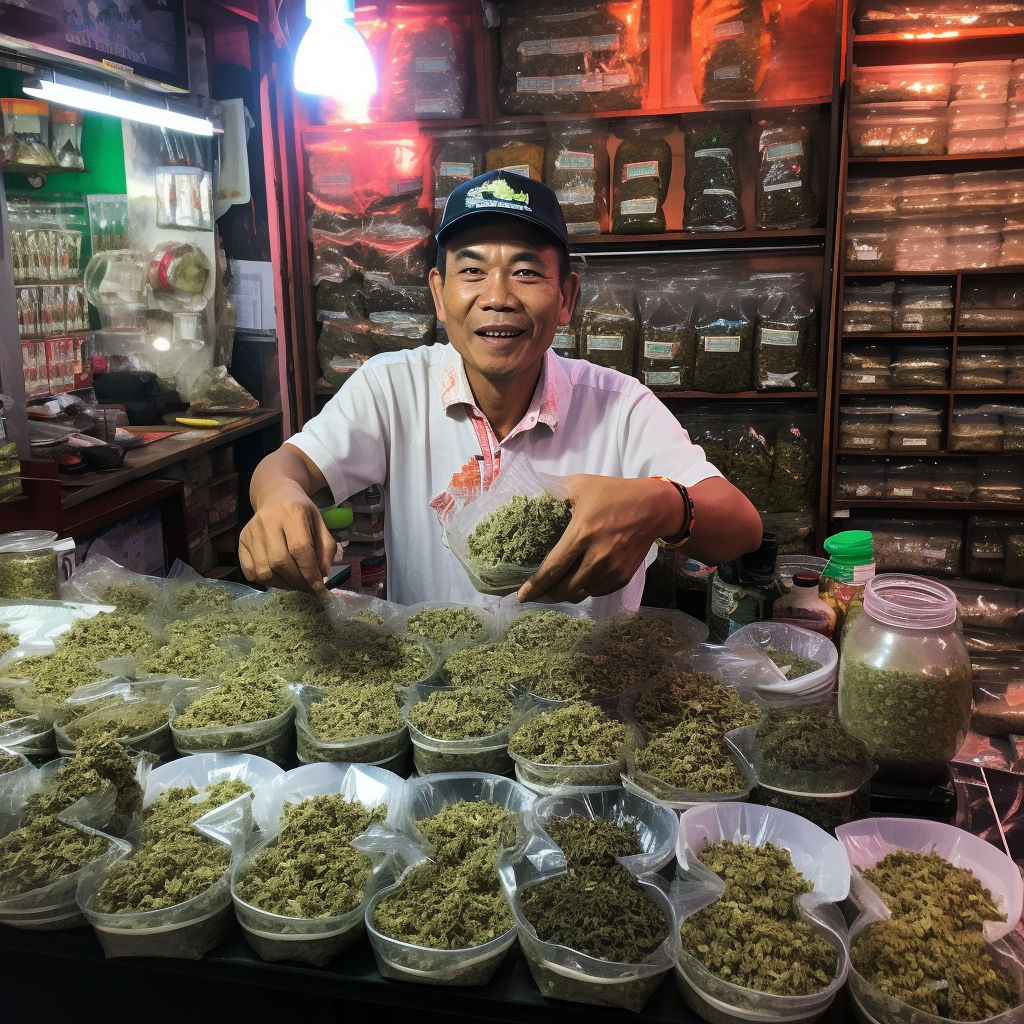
<point>500,334</point>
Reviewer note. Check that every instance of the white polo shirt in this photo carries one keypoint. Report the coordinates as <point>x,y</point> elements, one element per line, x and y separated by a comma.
<point>408,420</point>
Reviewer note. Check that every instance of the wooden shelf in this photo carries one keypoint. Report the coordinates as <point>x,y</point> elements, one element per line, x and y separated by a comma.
<point>931,273</point>
<point>990,334</point>
<point>33,169</point>
<point>1003,154</point>
<point>897,335</point>
<point>693,239</point>
<point>741,395</point>
<point>952,506</point>
<point>848,393</point>
<point>938,36</point>
<point>878,453</point>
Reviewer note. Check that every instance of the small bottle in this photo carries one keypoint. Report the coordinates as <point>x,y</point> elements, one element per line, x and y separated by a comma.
<point>803,606</point>
<point>851,564</point>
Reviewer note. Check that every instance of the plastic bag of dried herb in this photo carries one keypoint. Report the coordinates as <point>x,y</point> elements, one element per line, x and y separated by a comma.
<point>732,43</point>
<point>667,337</point>
<point>597,933</point>
<point>713,199</point>
<point>458,156</point>
<point>609,322</point>
<point>795,469</point>
<point>290,906</point>
<point>502,537</point>
<point>640,178</point>
<point>576,167</point>
<point>445,623</point>
<point>354,722</point>
<point>784,197</point>
<point>786,339</point>
<point>725,340</point>
<point>101,580</point>
<point>750,468</point>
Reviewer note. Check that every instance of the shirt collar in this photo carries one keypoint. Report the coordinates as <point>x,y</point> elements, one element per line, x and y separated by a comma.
<point>550,399</point>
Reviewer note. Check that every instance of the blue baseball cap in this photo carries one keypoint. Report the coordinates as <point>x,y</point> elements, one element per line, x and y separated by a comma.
<point>508,194</point>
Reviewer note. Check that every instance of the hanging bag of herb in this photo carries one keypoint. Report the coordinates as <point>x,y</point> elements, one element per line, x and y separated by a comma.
<point>784,197</point>
<point>570,59</point>
<point>786,340</point>
<point>593,928</point>
<point>458,156</point>
<point>731,46</point>
<point>302,892</point>
<point>640,178</point>
<point>501,537</point>
<point>750,468</point>
<point>725,339</point>
<point>795,470</point>
<point>713,199</point>
<point>609,322</point>
<point>668,339</point>
<point>576,167</point>
<point>516,148</point>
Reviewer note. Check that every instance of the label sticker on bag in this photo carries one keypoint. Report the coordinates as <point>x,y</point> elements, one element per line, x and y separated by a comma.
<point>659,349</point>
<point>631,206</point>
<point>646,169</point>
<point>722,344</point>
<point>783,339</point>
<point>604,343</point>
<point>455,169</point>
<point>566,161</point>
<point>661,378</point>
<point>729,29</point>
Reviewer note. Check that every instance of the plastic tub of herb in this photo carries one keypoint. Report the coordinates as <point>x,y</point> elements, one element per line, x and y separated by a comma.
<point>301,894</point>
<point>808,660</point>
<point>355,722</point>
<point>797,873</point>
<point>578,744</point>
<point>235,717</point>
<point>28,565</point>
<point>592,931</point>
<point>533,625</point>
<point>459,729</point>
<point>423,928</point>
<point>444,624</point>
<point>143,725</point>
<point>965,892</point>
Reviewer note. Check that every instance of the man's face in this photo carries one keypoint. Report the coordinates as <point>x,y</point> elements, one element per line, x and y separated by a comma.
<point>500,298</point>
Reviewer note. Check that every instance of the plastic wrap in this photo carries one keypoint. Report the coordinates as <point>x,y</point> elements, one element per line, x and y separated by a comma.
<point>668,340</point>
<point>725,339</point>
<point>870,246</point>
<point>785,196</point>
<point>640,178</point>
<point>731,44</point>
<point>784,637</point>
<point>924,307</point>
<point>786,339</point>
<point>929,547</point>
<point>374,750</point>
<point>609,325</point>
<point>901,83</point>
<point>981,80</point>
<point>899,129</point>
<point>576,168</point>
<point>573,58</point>
<point>713,190</point>
<point>867,308</point>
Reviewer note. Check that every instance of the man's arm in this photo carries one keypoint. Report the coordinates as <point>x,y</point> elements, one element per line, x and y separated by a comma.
<point>615,521</point>
<point>286,543</point>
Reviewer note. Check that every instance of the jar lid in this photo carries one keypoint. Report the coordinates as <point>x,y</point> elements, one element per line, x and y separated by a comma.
<point>806,579</point>
<point>854,547</point>
<point>27,540</point>
<point>62,115</point>
<point>910,602</point>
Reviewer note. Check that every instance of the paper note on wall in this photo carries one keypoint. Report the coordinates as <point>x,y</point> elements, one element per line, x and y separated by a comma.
<point>252,292</point>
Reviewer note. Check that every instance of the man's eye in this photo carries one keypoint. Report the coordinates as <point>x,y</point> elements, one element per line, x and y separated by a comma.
<point>527,271</point>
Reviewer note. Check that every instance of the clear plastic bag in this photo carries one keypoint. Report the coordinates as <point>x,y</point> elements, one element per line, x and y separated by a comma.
<point>312,940</point>
<point>372,750</point>
<point>786,339</point>
<point>609,326</point>
<point>781,636</point>
<point>732,43</point>
<point>785,198</point>
<point>725,340</point>
<point>713,191</point>
<point>641,173</point>
<point>576,168</point>
<point>667,336</point>
<point>426,620</point>
<point>517,478</point>
<point>216,391</point>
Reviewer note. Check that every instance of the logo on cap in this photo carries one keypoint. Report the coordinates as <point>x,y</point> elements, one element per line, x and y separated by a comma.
<point>497,195</point>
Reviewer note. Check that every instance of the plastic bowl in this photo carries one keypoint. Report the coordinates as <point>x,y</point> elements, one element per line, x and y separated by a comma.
<point>800,641</point>
<point>360,750</point>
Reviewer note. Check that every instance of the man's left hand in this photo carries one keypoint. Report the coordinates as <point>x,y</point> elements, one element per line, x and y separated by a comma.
<point>614,523</point>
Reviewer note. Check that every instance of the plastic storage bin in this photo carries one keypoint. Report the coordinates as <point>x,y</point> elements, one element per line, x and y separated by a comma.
<point>916,429</point>
<point>865,380</point>
<point>898,129</point>
<point>901,83</point>
<point>905,677</point>
<point>920,366</point>
<point>868,308</point>
<point>871,246</point>
<point>976,430</point>
<point>858,482</point>
<point>864,428</point>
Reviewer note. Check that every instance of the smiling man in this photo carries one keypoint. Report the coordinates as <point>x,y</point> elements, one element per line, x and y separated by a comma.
<point>433,424</point>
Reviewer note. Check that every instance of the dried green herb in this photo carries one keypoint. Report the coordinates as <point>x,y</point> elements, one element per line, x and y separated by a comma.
<point>794,474</point>
<point>362,654</point>
<point>501,665</point>
<point>784,197</point>
<point>233,703</point>
<point>750,469</point>
<point>691,758</point>
<point>553,631</point>
<point>311,870</point>
<point>752,935</point>
<point>10,763</point>
<point>8,640</point>
<point>712,187</point>
<point>42,852</point>
<point>520,532</point>
<point>446,625</point>
<point>907,719</point>
<point>807,739</point>
<point>609,331</point>
<point>8,706</point>
<point>57,675</point>
<point>108,635</point>
<point>642,636</point>
<point>640,177</point>
<point>590,676</point>
<point>461,713</point>
<point>455,902</point>
<point>593,842</point>
<point>123,723</point>
<point>190,657</point>
<point>131,597</point>
<point>786,349</point>
<point>350,711</point>
<point>792,665</point>
<point>724,362</point>
<point>191,596</point>
<point>29,575</point>
<point>601,912</point>
<point>731,50</point>
<point>577,734</point>
<point>174,810</point>
<point>693,697</point>
<point>210,626</point>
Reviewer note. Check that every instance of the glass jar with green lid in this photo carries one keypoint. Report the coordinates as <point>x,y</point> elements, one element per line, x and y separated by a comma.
<point>851,563</point>
<point>905,677</point>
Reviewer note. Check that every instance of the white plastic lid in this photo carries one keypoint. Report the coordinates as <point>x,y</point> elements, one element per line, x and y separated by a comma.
<point>27,540</point>
<point>910,602</point>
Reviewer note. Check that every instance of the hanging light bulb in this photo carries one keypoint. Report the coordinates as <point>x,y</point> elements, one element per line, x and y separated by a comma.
<point>334,60</point>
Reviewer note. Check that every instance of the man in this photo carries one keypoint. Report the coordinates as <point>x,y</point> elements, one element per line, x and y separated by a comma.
<point>435,423</point>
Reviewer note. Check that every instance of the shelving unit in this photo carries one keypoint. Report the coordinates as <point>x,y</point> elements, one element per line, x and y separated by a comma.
<point>899,49</point>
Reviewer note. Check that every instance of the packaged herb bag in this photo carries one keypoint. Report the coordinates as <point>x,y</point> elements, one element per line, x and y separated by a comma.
<point>785,197</point>
<point>640,178</point>
<point>713,191</point>
<point>609,323</point>
<point>502,537</point>
<point>786,340</point>
<point>750,467</point>
<point>795,470</point>
<point>516,148</point>
<point>725,340</point>
<point>573,58</point>
<point>731,41</point>
<point>216,391</point>
<point>668,340</point>
<point>458,156</point>
<point>576,167</point>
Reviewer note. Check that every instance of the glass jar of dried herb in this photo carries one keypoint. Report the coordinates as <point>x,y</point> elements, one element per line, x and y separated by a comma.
<point>905,677</point>
<point>640,178</point>
<point>28,565</point>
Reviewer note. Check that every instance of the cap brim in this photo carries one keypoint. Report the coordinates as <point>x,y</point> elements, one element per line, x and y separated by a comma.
<point>445,233</point>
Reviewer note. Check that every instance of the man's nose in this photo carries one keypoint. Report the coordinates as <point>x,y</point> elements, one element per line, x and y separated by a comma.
<point>497,292</point>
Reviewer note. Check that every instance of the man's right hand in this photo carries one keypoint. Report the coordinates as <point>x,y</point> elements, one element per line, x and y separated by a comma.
<point>286,543</point>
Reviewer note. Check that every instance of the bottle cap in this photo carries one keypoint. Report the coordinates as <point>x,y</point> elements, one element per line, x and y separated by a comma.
<point>806,579</point>
<point>729,572</point>
<point>336,518</point>
<point>851,547</point>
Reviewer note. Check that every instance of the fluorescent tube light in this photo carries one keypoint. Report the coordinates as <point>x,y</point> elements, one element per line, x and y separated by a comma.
<point>333,59</point>
<point>102,99</point>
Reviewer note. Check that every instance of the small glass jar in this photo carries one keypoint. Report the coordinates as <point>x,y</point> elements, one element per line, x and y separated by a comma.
<point>28,566</point>
<point>66,138</point>
<point>26,135</point>
<point>905,677</point>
